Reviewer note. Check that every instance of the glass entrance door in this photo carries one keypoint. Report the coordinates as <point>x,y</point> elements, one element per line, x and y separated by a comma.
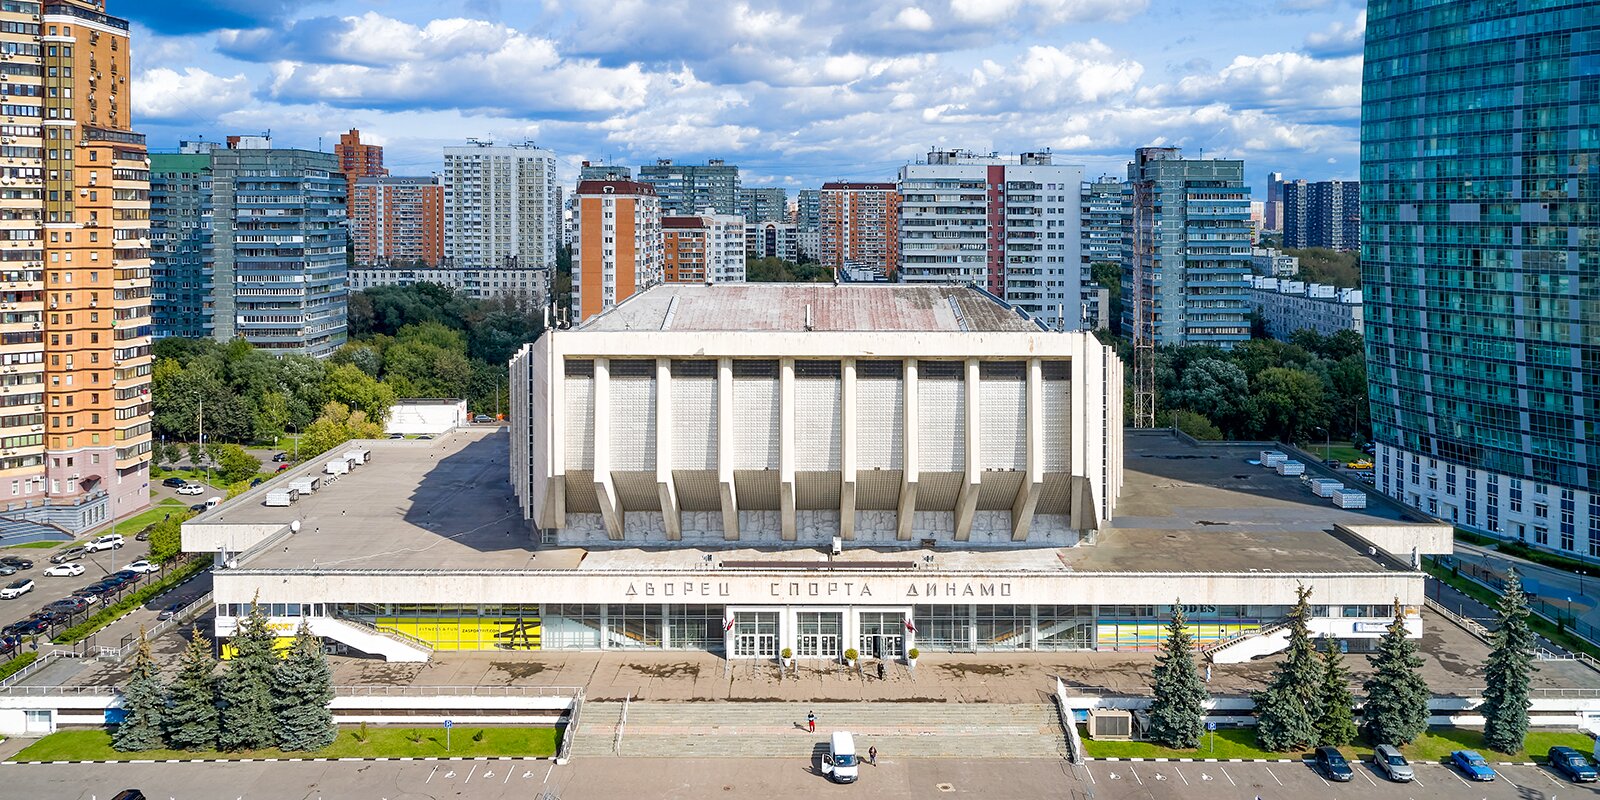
<point>882,634</point>
<point>755,634</point>
<point>819,634</point>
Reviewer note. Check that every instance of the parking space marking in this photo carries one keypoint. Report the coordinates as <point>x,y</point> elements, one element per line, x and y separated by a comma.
<point>1135,774</point>
<point>1507,779</point>
<point>1226,775</point>
<point>1368,777</point>
<point>1546,775</point>
<point>1274,775</point>
<point>1090,770</point>
<point>1180,776</point>
<point>470,773</point>
<point>430,774</point>
<point>1457,777</point>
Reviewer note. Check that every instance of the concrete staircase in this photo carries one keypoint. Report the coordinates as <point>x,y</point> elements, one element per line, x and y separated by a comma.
<point>760,730</point>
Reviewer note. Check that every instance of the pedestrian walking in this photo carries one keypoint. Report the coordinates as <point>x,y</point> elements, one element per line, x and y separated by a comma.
<point>872,755</point>
<point>811,721</point>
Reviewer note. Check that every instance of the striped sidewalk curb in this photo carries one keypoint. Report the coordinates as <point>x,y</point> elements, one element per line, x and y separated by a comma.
<point>287,760</point>
<point>1204,760</point>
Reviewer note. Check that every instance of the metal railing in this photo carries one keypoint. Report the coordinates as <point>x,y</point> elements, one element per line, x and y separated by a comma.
<point>182,616</point>
<point>449,691</point>
<point>622,722</point>
<point>564,754</point>
<point>1470,625</point>
<point>394,635</point>
<point>44,660</point>
<point>1069,726</point>
<point>1266,630</point>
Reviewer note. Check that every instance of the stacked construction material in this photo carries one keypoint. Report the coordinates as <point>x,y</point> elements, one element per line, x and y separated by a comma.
<point>1325,487</point>
<point>1350,498</point>
<point>1291,468</point>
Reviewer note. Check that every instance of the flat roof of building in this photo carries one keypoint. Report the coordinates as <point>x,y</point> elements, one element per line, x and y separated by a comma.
<point>734,307</point>
<point>446,504</point>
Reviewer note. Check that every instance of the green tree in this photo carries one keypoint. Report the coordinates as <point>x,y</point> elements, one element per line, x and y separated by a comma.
<point>248,720</point>
<point>166,536</point>
<point>1178,714</point>
<point>1195,424</point>
<point>348,385</point>
<point>1290,402</point>
<point>1215,388</point>
<point>192,717</point>
<point>303,685</point>
<point>1109,275</point>
<point>1509,672</point>
<point>234,464</point>
<point>272,415</point>
<point>1396,711</point>
<point>1330,267</point>
<point>144,702</point>
<point>1287,710</point>
<point>1336,724</point>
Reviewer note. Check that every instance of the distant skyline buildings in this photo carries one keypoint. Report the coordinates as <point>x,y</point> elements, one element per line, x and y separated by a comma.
<point>500,206</point>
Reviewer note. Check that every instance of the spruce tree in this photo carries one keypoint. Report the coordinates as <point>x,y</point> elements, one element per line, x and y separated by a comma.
<point>1336,724</point>
<point>144,702</point>
<point>1287,710</point>
<point>192,717</point>
<point>247,720</point>
<point>1396,711</point>
<point>303,686</point>
<point>1178,714</point>
<point>1508,673</point>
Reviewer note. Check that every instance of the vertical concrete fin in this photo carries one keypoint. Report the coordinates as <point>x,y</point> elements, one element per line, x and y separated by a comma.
<point>1032,482</point>
<point>725,486</point>
<point>604,488</point>
<point>666,489</point>
<point>908,483</point>
<point>786,488</point>
<point>967,500</point>
<point>847,449</point>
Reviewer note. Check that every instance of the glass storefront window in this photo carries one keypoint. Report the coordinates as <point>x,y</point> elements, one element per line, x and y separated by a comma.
<point>818,634</point>
<point>1005,627</point>
<point>572,626</point>
<point>634,626</point>
<point>755,634</point>
<point>1066,627</point>
<point>882,634</point>
<point>947,628</point>
<point>692,627</point>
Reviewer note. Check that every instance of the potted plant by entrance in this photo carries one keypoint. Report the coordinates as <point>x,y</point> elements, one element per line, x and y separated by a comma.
<point>911,658</point>
<point>788,658</point>
<point>850,656</point>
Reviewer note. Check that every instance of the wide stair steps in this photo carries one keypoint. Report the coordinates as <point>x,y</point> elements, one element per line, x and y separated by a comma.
<point>759,730</point>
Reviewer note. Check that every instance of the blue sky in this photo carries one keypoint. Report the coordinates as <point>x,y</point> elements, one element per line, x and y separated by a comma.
<point>794,93</point>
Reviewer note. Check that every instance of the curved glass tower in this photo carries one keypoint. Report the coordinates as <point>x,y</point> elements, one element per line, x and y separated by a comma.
<point>1480,185</point>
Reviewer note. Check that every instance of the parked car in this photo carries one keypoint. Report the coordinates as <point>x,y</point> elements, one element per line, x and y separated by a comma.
<point>69,554</point>
<point>197,507</point>
<point>1571,764</point>
<point>16,589</point>
<point>142,566</point>
<point>1360,465</point>
<point>173,482</point>
<point>397,436</point>
<point>1332,764</point>
<point>170,611</point>
<point>1387,758</point>
<point>1472,764</point>
<point>282,467</point>
<point>31,626</point>
<point>191,488</point>
<point>254,482</point>
<point>88,595</point>
<point>110,541</point>
<point>279,458</point>
<point>1369,449</point>
<point>16,561</point>
<point>64,570</point>
<point>7,569</point>
<point>129,794</point>
<point>483,418</point>
<point>70,604</point>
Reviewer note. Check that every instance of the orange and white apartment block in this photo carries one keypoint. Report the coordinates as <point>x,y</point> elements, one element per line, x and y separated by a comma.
<point>860,226</point>
<point>618,250</point>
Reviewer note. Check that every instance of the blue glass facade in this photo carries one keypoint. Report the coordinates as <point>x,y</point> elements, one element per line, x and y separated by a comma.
<point>1480,190</point>
<point>180,252</point>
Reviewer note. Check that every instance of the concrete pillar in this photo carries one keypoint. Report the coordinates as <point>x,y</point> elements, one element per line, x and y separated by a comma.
<point>967,501</point>
<point>908,480</point>
<point>555,368</point>
<point>666,488</point>
<point>1033,480</point>
<point>605,490</point>
<point>847,449</point>
<point>730,498</point>
<point>786,447</point>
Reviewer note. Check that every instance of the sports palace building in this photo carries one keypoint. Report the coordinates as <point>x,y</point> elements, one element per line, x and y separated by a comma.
<point>743,468</point>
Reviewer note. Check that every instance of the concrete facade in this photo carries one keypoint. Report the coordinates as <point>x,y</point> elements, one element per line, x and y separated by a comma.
<point>500,206</point>
<point>1287,306</point>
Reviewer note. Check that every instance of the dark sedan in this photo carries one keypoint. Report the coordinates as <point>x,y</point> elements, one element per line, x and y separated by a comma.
<point>174,482</point>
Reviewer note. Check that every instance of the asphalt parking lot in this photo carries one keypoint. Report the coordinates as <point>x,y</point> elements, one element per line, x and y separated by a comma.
<point>596,778</point>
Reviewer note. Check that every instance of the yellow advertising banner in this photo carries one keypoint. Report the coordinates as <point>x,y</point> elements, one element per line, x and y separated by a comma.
<point>468,633</point>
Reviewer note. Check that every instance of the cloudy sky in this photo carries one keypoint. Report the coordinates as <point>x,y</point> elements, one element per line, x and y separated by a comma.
<point>794,92</point>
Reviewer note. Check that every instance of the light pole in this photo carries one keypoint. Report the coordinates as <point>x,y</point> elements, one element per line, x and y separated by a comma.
<point>1327,441</point>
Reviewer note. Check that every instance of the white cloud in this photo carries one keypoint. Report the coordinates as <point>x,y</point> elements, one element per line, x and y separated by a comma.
<point>1286,81</point>
<point>913,18</point>
<point>1339,38</point>
<point>162,93</point>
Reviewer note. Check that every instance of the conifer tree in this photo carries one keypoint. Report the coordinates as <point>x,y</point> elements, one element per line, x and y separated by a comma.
<point>1287,710</point>
<point>1509,672</point>
<point>1396,711</point>
<point>303,688</point>
<point>1178,714</point>
<point>1336,724</point>
<point>248,720</point>
<point>144,703</point>
<point>192,717</point>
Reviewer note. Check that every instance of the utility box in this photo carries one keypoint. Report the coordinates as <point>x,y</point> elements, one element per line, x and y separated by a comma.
<point>338,466</point>
<point>1350,498</point>
<point>1110,725</point>
<point>1325,487</point>
<point>281,497</point>
<point>358,457</point>
<point>306,485</point>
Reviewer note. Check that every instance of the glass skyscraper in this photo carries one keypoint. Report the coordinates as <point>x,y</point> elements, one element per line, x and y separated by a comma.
<point>1480,184</point>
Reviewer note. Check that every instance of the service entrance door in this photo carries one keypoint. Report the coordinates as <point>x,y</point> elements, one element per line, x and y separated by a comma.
<point>755,634</point>
<point>819,633</point>
<point>882,633</point>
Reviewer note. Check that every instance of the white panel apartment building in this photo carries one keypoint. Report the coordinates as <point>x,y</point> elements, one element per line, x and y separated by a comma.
<point>500,203</point>
<point>1287,306</point>
<point>1009,224</point>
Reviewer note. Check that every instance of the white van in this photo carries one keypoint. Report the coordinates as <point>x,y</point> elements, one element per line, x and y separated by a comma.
<point>213,502</point>
<point>841,763</point>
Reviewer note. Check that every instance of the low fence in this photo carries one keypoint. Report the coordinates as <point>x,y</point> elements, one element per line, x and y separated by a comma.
<point>1558,614</point>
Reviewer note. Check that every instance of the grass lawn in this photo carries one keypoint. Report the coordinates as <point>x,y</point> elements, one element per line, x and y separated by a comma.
<point>95,745</point>
<point>1340,450</point>
<point>36,545</point>
<point>1433,747</point>
<point>191,475</point>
